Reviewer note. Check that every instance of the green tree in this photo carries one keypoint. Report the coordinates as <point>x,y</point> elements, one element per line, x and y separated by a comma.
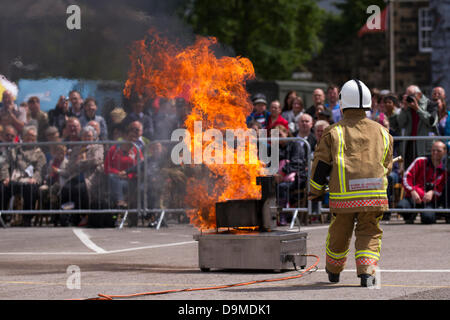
<point>278,36</point>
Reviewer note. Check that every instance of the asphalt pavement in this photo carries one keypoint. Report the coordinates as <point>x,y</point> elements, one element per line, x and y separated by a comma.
<point>48,263</point>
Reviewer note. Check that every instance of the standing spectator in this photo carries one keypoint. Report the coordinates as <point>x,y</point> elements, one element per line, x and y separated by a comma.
<point>323,113</point>
<point>57,117</point>
<point>137,113</point>
<point>305,125</point>
<point>424,182</point>
<point>438,93</point>
<point>288,98</point>
<point>89,114</point>
<point>275,116</point>
<point>11,114</point>
<point>38,117</point>
<point>293,115</point>
<point>23,168</point>
<point>318,99</point>
<point>165,120</point>
<point>442,115</point>
<point>118,159</point>
<point>76,104</point>
<point>392,110</point>
<point>333,102</point>
<point>259,113</point>
<point>415,120</point>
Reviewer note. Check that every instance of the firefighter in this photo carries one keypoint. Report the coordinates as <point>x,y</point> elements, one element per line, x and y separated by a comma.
<point>354,158</point>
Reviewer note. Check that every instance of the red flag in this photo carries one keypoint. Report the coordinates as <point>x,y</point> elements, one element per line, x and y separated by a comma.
<point>384,18</point>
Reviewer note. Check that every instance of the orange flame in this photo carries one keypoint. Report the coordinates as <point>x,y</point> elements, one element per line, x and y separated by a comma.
<point>215,89</point>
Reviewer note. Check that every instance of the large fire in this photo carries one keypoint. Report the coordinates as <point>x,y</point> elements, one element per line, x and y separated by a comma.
<point>215,90</point>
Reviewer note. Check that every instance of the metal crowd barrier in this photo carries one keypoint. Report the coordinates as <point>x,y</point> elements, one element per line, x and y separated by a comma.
<point>65,197</point>
<point>440,207</point>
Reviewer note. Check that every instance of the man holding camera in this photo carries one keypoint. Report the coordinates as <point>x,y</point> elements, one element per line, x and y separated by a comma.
<point>424,181</point>
<point>415,120</point>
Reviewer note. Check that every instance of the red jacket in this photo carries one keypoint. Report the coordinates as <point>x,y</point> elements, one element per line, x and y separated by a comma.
<point>118,160</point>
<point>280,120</point>
<point>421,172</point>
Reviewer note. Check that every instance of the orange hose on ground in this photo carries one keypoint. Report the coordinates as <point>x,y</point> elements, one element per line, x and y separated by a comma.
<point>111,297</point>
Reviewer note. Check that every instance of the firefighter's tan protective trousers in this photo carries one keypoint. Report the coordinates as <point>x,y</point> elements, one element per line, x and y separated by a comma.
<point>367,244</point>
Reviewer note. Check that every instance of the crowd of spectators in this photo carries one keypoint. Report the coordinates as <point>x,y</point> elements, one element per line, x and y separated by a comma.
<point>85,176</point>
<point>407,114</point>
<point>91,160</point>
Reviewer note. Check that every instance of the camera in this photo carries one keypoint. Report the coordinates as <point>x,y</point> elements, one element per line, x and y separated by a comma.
<point>410,98</point>
<point>429,186</point>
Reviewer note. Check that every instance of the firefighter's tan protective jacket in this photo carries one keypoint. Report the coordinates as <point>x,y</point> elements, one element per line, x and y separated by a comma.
<point>356,154</point>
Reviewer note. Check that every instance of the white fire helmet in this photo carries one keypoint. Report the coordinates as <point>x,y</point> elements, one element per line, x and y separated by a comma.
<point>355,95</point>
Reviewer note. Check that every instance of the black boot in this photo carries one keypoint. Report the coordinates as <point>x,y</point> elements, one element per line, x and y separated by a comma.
<point>367,280</point>
<point>333,277</point>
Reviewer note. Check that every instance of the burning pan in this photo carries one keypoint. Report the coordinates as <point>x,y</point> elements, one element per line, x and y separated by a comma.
<point>238,213</point>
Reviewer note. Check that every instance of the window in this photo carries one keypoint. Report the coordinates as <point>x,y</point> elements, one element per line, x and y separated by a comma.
<point>425,24</point>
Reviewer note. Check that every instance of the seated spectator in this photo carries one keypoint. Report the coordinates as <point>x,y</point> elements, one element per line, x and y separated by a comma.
<point>51,187</point>
<point>94,124</point>
<point>4,191</point>
<point>119,158</point>
<point>318,99</point>
<point>23,169</point>
<point>292,172</point>
<point>416,121</point>
<point>89,114</point>
<point>71,132</point>
<point>37,117</point>
<point>11,114</point>
<point>275,117</point>
<point>305,125</point>
<point>293,115</point>
<point>83,175</point>
<point>137,113</point>
<point>57,117</point>
<point>424,182</point>
<point>76,104</point>
<point>259,113</point>
<point>116,116</point>
<point>319,127</point>
<point>51,135</point>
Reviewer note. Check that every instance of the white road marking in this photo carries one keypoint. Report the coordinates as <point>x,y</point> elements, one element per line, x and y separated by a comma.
<point>87,241</point>
<point>152,246</point>
<point>97,250</point>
